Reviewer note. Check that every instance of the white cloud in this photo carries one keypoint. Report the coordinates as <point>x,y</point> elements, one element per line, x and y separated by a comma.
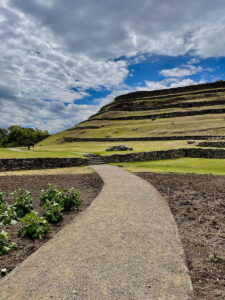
<point>181,72</point>
<point>50,46</point>
<point>173,83</point>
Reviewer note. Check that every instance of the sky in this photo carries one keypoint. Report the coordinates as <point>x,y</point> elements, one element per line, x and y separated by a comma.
<point>61,61</point>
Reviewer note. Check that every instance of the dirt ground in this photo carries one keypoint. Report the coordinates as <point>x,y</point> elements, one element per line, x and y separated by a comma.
<point>89,185</point>
<point>198,205</point>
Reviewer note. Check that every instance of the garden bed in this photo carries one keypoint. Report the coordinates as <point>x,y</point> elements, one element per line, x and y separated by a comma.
<point>89,185</point>
<point>198,205</point>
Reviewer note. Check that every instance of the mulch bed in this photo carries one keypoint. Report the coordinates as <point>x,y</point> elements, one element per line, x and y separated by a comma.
<point>89,185</point>
<point>198,205</point>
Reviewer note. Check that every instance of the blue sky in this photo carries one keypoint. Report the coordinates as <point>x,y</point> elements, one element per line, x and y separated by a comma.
<point>61,61</point>
<point>149,70</point>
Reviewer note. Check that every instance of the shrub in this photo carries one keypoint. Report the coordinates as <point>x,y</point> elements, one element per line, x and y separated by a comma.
<point>67,198</point>
<point>71,198</point>
<point>2,199</point>
<point>34,226</point>
<point>22,202</point>
<point>53,211</point>
<point>7,215</point>
<point>52,194</point>
<point>5,246</point>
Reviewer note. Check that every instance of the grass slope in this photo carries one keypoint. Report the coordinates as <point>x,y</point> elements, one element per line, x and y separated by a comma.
<point>181,165</point>
<point>210,123</point>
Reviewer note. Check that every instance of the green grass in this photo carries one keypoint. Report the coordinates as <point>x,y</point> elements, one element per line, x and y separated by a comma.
<point>118,113</point>
<point>57,171</point>
<point>193,125</point>
<point>181,165</point>
<point>80,148</point>
<point>39,152</point>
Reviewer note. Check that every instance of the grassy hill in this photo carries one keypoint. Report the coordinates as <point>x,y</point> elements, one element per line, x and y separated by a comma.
<point>179,113</point>
<point>145,121</point>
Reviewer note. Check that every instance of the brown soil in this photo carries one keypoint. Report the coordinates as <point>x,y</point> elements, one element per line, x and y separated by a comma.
<point>89,185</point>
<point>198,205</point>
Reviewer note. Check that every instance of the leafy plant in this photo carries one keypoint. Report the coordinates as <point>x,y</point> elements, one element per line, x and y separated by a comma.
<point>67,198</point>
<point>22,202</point>
<point>34,226</point>
<point>5,246</point>
<point>53,211</point>
<point>71,198</point>
<point>52,194</point>
<point>7,214</point>
<point>2,199</point>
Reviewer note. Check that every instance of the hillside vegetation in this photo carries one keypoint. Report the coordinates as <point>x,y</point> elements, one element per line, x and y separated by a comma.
<point>15,136</point>
<point>179,113</point>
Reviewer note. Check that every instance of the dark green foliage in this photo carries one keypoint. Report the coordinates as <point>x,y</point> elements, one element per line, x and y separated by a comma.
<point>22,202</point>
<point>67,198</point>
<point>5,246</point>
<point>71,198</point>
<point>34,226</point>
<point>52,194</point>
<point>53,212</point>
<point>7,213</point>
<point>19,136</point>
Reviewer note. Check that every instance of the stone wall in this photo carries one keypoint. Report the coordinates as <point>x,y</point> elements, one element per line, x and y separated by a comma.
<point>167,154</point>
<point>46,163</point>
<point>205,153</point>
<point>145,156</point>
<point>40,163</point>
<point>141,94</point>
<point>167,115</point>
<point>150,138</point>
<point>211,144</point>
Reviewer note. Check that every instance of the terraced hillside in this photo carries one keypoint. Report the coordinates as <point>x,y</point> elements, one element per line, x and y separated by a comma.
<point>196,112</point>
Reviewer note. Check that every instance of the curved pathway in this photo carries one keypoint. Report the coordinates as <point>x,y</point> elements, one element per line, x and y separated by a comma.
<point>124,246</point>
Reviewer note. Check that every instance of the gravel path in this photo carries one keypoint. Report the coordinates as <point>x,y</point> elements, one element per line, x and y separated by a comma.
<point>124,246</point>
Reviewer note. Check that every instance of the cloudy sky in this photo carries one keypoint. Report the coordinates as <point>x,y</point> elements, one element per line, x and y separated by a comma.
<point>60,61</point>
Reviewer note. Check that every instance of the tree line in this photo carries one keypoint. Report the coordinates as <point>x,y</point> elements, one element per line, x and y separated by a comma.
<point>15,136</point>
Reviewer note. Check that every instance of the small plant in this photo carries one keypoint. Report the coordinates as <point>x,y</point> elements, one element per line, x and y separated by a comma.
<point>52,194</point>
<point>5,246</point>
<point>2,198</point>
<point>71,198</point>
<point>53,212</point>
<point>7,215</point>
<point>34,226</point>
<point>67,198</point>
<point>22,202</point>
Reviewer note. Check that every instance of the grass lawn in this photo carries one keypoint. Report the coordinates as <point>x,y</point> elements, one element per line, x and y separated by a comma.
<point>181,165</point>
<point>38,152</point>
<point>78,149</point>
<point>58,171</point>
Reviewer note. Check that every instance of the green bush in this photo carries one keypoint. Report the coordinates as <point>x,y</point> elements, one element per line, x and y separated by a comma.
<point>5,246</point>
<point>7,214</point>
<point>34,226</point>
<point>53,211</point>
<point>67,198</point>
<point>22,202</point>
<point>71,198</point>
<point>2,198</point>
<point>52,194</point>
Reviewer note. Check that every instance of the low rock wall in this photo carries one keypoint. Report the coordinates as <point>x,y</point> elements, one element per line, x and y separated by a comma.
<point>47,163</point>
<point>149,138</point>
<point>193,88</point>
<point>40,163</point>
<point>212,144</point>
